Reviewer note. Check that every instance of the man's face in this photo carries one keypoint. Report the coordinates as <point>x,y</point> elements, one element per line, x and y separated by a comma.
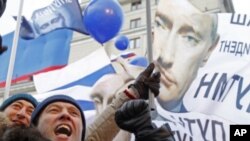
<point>19,112</point>
<point>50,22</point>
<point>182,41</point>
<point>61,121</point>
<point>105,90</point>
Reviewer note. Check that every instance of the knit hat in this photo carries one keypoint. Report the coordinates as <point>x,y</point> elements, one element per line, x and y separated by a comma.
<point>56,98</point>
<point>16,97</point>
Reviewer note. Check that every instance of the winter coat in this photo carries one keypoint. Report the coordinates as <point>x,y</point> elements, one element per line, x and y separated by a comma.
<point>104,128</point>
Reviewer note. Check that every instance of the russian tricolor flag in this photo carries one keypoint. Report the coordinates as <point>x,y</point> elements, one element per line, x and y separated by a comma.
<point>76,79</point>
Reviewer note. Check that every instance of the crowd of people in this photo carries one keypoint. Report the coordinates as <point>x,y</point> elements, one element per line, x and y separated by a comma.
<point>60,117</point>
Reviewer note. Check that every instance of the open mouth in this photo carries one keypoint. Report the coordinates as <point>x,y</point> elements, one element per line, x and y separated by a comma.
<point>63,129</point>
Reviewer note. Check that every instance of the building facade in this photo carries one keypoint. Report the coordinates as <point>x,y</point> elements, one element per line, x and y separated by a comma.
<point>134,27</point>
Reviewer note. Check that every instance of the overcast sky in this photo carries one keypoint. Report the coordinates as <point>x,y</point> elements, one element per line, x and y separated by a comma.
<point>7,24</point>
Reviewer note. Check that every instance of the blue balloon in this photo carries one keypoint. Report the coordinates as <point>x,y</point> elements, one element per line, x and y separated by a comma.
<point>122,42</point>
<point>103,19</point>
<point>139,61</point>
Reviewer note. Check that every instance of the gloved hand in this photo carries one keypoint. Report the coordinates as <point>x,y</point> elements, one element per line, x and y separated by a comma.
<point>163,133</point>
<point>134,117</point>
<point>146,80</point>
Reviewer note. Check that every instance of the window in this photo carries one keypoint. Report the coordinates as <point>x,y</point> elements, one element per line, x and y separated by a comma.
<point>135,23</point>
<point>135,43</point>
<point>135,5</point>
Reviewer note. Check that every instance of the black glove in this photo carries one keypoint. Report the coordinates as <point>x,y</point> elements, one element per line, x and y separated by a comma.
<point>163,133</point>
<point>134,116</point>
<point>146,81</point>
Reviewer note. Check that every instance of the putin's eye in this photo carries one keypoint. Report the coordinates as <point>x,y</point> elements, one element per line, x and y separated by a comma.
<point>55,20</point>
<point>44,26</point>
<point>159,24</point>
<point>191,40</point>
<point>97,100</point>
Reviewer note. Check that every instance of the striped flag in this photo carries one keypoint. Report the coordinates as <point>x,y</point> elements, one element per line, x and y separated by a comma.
<point>75,80</point>
<point>84,72</point>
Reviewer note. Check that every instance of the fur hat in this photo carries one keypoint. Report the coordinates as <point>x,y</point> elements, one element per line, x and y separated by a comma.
<point>4,123</point>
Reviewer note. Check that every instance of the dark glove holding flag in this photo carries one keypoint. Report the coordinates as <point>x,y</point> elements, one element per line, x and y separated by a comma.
<point>146,80</point>
<point>134,116</point>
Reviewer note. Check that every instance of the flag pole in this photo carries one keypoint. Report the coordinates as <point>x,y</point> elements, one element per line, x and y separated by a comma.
<point>13,52</point>
<point>150,56</point>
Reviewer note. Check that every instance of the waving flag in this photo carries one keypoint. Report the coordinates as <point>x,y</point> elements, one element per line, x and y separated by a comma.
<point>77,92</point>
<point>59,14</point>
<point>84,72</point>
<point>75,80</point>
<point>34,56</point>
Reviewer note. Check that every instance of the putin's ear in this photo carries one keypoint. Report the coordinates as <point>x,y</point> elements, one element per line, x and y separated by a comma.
<point>210,50</point>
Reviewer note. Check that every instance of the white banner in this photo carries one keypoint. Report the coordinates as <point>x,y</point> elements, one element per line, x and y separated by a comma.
<point>220,94</point>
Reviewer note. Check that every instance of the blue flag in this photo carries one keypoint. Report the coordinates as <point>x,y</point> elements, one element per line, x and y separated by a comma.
<point>59,14</point>
<point>42,54</point>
